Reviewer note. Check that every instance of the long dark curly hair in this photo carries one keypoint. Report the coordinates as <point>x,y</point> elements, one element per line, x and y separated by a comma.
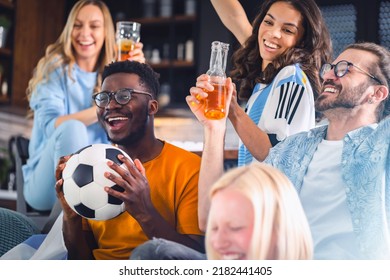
<point>311,52</point>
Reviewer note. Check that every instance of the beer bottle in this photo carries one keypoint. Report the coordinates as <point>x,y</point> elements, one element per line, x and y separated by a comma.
<point>215,102</point>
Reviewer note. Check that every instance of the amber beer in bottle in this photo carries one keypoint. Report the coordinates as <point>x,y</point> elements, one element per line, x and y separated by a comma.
<point>127,35</point>
<point>215,102</point>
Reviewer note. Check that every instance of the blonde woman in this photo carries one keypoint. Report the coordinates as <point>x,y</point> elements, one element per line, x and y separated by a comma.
<point>60,96</point>
<point>256,214</point>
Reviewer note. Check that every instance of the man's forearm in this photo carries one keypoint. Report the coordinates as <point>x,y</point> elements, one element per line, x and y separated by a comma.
<point>75,240</point>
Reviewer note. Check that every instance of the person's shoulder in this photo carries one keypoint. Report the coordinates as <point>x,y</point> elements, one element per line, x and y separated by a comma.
<point>183,160</point>
<point>286,74</point>
<point>56,63</point>
<point>316,132</point>
<point>292,73</point>
<point>292,69</point>
<point>55,71</point>
<point>181,152</point>
<point>383,127</point>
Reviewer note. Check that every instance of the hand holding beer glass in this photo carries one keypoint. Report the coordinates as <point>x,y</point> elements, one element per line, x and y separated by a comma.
<point>127,35</point>
<point>215,102</point>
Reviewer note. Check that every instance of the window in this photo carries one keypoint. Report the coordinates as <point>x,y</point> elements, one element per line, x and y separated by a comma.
<point>384,24</point>
<point>341,22</point>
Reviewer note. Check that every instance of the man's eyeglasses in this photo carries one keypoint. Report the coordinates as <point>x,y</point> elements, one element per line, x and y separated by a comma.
<point>341,68</point>
<point>121,96</point>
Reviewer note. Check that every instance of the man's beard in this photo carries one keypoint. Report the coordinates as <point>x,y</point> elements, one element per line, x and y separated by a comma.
<point>133,137</point>
<point>344,99</point>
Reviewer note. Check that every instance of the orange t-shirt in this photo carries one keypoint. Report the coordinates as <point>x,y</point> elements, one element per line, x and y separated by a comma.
<point>173,180</point>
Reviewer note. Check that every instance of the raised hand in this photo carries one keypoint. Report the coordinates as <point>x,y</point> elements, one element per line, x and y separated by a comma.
<point>137,54</point>
<point>197,95</point>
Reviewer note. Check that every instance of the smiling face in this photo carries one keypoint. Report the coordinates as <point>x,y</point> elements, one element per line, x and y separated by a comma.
<point>280,30</point>
<point>350,90</point>
<point>231,228</point>
<point>88,35</point>
<point>125,124</point>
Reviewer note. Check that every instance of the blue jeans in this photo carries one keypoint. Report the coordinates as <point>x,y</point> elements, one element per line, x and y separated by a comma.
<point>69,137</point>
<point>161,249</point>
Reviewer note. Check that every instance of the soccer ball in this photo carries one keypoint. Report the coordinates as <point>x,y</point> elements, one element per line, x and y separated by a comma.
<point>84,182</point>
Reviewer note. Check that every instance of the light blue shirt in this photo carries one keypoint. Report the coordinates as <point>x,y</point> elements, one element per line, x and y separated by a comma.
<point>58,96</point>
<point>365,170</point>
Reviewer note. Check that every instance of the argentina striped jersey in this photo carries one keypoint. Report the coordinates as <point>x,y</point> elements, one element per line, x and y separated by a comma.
<point>281,108</point>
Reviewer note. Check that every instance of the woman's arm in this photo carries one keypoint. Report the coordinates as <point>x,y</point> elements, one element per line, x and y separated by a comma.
<point>87,117</point>
<point>255,140</point>
<point>233,16</point>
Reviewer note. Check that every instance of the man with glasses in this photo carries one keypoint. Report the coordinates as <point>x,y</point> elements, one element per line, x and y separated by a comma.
<point>341,170</point>
<point>160,188</point>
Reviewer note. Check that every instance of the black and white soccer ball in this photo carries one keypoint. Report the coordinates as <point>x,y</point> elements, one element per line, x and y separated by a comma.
<point>84,182</point>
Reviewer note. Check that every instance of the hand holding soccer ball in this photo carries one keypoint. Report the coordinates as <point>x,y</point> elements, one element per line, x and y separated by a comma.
<point>84,182</point>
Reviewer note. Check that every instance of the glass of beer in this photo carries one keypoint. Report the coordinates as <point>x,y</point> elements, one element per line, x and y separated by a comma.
<point>127,35</point>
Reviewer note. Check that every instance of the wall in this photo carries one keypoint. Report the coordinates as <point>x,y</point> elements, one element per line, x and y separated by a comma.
<point>38,23</point>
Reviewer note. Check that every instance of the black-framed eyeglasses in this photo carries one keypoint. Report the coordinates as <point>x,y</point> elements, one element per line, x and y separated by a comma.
<point>122,96</point>
<point>341,68</point>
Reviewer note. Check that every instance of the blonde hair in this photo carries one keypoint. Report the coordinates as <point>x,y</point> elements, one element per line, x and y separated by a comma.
<point>280,229</point>
<point>61,52</point>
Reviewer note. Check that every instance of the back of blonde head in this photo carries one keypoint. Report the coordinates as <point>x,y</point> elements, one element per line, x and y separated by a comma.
<point>281,230</point>
<point>61,53</point>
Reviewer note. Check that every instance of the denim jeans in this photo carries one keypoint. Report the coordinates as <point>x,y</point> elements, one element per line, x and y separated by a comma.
<point>69,137</point>
<point>161,249</point>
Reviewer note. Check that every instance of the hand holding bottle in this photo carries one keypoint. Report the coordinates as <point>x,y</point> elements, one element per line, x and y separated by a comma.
<point>215,101</point>
<point>199,94</point>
